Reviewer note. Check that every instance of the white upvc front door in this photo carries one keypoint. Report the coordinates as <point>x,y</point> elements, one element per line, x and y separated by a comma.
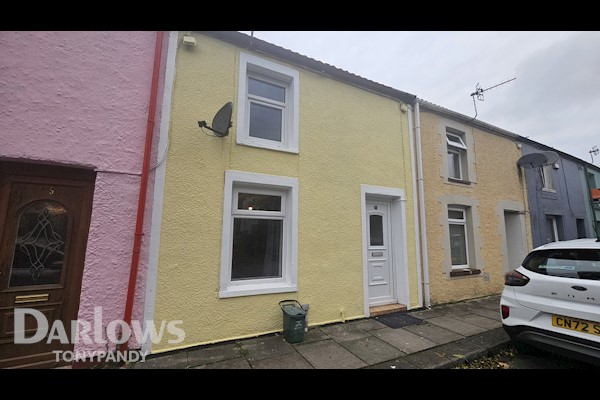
<point>379,254</point>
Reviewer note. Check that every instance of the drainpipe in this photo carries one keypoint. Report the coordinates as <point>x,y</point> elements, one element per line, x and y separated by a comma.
<point>413,166</point>
<point>589,190</point>
<point>139,224</point>
<point>526,205</point>
<point>422,224</point>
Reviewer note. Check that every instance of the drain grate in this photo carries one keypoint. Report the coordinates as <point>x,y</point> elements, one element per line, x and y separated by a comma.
<point>398,320</point>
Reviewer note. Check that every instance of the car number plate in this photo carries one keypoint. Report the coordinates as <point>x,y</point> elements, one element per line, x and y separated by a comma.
<point>575,324</point>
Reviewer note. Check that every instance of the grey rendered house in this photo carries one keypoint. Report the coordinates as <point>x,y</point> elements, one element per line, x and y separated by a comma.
<point>559,196</point>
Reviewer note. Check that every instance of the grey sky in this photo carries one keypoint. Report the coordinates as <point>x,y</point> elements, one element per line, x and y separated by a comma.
<point>555,99</point>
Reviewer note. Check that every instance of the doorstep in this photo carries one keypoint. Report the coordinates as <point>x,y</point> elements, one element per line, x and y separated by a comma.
<point>386,309</point>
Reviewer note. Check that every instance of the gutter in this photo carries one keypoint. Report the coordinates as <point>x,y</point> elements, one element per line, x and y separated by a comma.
<point>139,224</point>
<point>264,47</point>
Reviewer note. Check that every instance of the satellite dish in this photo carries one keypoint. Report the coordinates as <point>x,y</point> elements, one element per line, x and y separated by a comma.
<point>221,122</point>
<point>552,157</point>
<point>532,160</point>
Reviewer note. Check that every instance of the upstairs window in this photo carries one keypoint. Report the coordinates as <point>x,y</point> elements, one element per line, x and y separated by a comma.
<point>457,150</point>
<point>547,172</point>
<point>267,105</point>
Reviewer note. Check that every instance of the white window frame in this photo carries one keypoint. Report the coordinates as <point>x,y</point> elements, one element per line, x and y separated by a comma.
<point>463,222</point>
<point>458,147</point>
<point>268,71</point>
<point>460,162</point>
<point>546,172</point>
<point>459,143</point>
<point>287,188</point>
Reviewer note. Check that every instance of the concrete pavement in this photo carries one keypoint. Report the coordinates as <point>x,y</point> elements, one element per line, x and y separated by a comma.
<point>441,337</point>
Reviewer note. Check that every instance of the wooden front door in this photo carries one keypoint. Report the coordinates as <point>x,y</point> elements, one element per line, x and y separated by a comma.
<point>44,220</point>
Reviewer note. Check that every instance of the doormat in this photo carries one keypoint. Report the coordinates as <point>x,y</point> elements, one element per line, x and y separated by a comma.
<point>398,320</point>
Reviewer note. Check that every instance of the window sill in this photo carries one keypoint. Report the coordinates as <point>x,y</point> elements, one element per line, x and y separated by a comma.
<point>464,272</point>
<point>261,145</point>
<point>454,180</point>
<point>549,194</point>
<point>256,289</point>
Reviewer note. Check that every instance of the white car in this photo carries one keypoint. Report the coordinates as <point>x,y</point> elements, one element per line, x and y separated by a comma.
<point>552,301</point>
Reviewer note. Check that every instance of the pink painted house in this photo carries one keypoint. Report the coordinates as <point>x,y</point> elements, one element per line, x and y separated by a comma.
<point>75,112</point>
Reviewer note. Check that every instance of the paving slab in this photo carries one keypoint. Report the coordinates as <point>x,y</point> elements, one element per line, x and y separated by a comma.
<point>367,324</point>
<point>492,303</point>
<point>434,333</point>
<point>398,363</point>
<point>448,335</point>
<point>285,361</point>
<point>342,332</point>
<point>265,347</point>
<point>403,340</point>
<point>495,337</point>
<point>372,350</point>
<point>486,312</point>
<point>460,350</point>
<point>212,354</point>
<point>456,310</point>
<point>168,361</point>
<point>429,313</point>
<point>234,363</point>
<point>474,346</point>
<point>480,321</point>
<point>428,359</point>
<point>328,354</point>
<point>313,335</point>
<point>460,327</point>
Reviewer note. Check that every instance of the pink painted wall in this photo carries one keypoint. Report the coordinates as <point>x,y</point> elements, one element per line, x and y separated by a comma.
<point>82,98</point>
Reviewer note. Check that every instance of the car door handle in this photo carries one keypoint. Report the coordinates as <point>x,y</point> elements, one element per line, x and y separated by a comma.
<point>580,288</point>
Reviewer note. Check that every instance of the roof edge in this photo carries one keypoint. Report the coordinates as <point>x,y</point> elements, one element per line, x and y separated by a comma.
<point>252,43</point>
<point>499,131</point>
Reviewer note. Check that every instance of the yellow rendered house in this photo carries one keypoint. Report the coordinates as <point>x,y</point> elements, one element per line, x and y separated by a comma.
<point>309,195</point>
<point>477,224</point>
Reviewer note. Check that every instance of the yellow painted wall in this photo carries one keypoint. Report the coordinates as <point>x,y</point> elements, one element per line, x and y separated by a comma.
<point>348,137</point>
<point>497,179</point>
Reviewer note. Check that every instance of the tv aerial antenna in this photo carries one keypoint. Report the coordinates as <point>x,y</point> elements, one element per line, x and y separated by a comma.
<point>478,93</point>
<point>594,152</point>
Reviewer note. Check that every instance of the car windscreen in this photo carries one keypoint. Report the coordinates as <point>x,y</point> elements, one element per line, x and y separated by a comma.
<point>568,263</point>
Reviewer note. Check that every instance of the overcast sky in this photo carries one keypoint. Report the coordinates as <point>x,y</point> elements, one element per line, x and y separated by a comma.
<point>555,99</point>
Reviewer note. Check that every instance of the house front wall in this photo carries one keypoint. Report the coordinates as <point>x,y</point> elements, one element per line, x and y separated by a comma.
<point>566,202</point>
<point>348,137</point>
<point>493,189</point>
<point>80,99</point>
